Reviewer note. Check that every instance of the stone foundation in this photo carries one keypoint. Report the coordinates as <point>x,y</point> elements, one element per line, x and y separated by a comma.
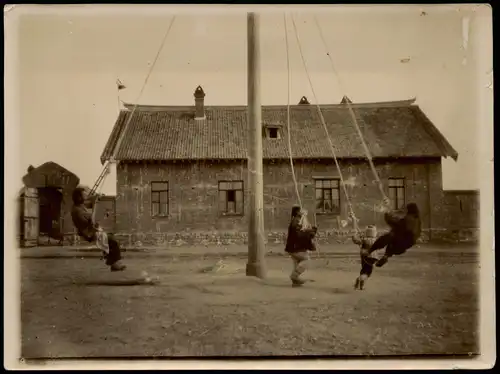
<point>464,235</point>
<point>273,237</point>
<point>72,239</point>
<point>227,238</point>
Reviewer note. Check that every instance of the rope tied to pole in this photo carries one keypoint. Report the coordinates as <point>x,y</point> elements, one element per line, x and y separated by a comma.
<point>322,119</point>
<point>352,114</point>
<point>289,135</point>
<point>111,160</point>
<point>98,193</point>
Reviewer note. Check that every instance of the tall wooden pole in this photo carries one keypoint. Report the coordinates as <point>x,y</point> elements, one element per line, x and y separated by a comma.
<point>256,247</point>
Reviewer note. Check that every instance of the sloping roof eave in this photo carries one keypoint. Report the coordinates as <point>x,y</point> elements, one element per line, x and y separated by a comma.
<point>440,140</point>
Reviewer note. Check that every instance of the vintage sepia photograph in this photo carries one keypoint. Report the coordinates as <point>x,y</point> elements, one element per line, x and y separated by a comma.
<point>249,182</point>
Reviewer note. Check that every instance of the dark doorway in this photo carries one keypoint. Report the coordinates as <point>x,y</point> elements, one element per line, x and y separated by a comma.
<point>50,199</point>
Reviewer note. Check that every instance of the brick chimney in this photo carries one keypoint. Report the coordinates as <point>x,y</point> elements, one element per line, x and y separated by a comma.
<point>199,103</point>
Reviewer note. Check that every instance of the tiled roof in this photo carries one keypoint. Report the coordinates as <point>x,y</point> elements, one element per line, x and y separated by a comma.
<point>390,129</point>
<point>33,177</point>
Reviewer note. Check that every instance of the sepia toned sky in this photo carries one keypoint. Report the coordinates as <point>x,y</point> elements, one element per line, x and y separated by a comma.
<point>68,63</point>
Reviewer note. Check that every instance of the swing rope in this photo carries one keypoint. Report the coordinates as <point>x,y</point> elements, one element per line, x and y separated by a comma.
<point>106,169</point>
<point>98,193</point>
<point>120,139</point>
<point>332,147</point>
<point>351,112</point>
<point>288,113</point>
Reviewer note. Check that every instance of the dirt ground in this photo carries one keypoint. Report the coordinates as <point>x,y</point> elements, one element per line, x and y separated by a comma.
<point>416,304</point>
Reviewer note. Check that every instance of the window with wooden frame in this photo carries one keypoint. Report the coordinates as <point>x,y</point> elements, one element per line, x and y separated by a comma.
<point>159,199</point>
<point>231,198</point>
<point>397,193</point>
<point>327,195</point>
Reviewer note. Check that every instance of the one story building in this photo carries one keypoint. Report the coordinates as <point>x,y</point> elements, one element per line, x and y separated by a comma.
<point>45,204</point>
<point>182,172</point>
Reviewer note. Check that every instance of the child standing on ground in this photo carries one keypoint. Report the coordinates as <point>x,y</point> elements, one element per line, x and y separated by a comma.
<point>365,242</point>
<point>299,242</point>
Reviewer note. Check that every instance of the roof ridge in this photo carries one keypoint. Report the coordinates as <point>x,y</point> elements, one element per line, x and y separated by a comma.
<point>393,129</point>
<point>152,107</point>
<point>52,163</point>
<point>49,164</point>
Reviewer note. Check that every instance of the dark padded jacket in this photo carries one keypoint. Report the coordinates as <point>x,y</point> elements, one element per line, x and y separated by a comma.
<point>405,227</point>
<point>300,240</point>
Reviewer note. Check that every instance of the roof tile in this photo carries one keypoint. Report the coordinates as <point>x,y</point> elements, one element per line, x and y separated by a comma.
<point>396,129</point>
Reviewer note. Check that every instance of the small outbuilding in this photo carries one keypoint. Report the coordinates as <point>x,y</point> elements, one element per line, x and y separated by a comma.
<point>45,205</point>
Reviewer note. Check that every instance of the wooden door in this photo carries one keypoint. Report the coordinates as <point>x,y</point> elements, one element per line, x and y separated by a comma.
<point>30,216</point>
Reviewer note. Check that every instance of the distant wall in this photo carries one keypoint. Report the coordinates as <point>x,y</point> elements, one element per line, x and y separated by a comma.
<point>461,216</point>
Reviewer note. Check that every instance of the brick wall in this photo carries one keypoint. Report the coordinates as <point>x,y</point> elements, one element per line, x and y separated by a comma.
<point>105,213</point>
<point>193,198</point>
<point>462,214</point>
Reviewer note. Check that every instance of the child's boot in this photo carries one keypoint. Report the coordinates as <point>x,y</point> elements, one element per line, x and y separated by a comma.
<point>382,261</point>
<point>296,282</point>
<point>362,280</point>
<point>117,266</point>
<point>356,284</point>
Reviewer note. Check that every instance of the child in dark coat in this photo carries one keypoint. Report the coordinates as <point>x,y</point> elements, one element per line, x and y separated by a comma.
<point>405,229</point>
<point>299,242</point>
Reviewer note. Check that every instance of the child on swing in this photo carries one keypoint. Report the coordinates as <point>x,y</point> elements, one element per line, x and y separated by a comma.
<point>88,229</point>
<point>300,241</point>
<point>405,229</point>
